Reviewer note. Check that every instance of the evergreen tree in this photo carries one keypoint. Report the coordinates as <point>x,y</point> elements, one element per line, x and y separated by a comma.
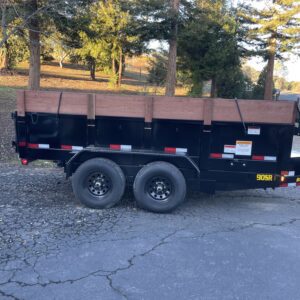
<point>272,31</point>
<point>158,68</point>
<point>109,37</point>
<point>208,46</point>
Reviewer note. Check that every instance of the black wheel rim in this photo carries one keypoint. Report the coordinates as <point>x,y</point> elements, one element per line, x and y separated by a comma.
<point>98,184</point>
<point>159,188</point>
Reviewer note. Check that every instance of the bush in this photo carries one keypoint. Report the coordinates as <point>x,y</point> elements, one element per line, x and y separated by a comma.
<point>158,69</point>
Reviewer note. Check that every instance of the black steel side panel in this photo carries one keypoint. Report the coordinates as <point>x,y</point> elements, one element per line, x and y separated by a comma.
<point>200,141</point>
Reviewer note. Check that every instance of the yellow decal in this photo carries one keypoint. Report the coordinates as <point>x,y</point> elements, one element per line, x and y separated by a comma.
<point>298,179</point>
<point>264,177</point>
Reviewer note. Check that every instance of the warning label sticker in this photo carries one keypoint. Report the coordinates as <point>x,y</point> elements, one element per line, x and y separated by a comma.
<point>229,149</point>
<point>243,148</point>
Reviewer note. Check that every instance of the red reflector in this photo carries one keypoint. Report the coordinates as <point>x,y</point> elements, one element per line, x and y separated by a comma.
<point>216,155</point>
<point>66,147</point>
<point>115,147</point>
<point>22,144</point>
<point>24,161</point>
<point>257,157</point>
<point>284,173</point>
<point>298,184</point>
<point>33,146</point>
<point>170,150</point>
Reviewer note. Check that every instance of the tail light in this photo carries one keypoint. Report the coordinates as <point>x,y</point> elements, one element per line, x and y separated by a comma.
<point>24,161</point>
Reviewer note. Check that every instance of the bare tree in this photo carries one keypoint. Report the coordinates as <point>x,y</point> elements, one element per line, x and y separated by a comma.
<point>171,71</point>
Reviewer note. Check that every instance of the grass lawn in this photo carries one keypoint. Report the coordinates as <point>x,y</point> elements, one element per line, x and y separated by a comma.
<point>77,78</point>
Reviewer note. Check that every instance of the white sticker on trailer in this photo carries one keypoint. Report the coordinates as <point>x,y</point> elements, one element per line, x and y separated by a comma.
<point>44,146</point>
<point>126,147</point>
<point>77,148</point>
<point>254,130</point>
<point>230,149</point>
<point>243,148</point>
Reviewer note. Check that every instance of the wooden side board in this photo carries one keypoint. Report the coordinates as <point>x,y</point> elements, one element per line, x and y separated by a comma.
<point>157,107</point>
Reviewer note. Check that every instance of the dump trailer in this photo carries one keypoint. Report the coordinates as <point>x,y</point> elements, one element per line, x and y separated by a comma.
<point>162,146</point>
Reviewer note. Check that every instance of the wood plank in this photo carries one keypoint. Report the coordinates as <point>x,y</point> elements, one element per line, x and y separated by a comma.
<point>120,106</point>
<point>170,108</point>
<point>254,111</point>
<point>42,101</point>
<point>178,108</point>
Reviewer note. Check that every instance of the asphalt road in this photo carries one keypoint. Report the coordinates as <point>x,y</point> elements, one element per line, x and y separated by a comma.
<point>234,245</point>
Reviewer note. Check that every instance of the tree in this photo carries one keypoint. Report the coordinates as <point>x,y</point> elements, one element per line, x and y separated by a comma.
<point>36,17</point>
<point>251,73</point>
<point>272,31</point>
<point>171,71</point>
<point>109,37</point>
<point>234,84</point>
<point>4,51</point>
<point>208,47</point>
<point>34,47</point>
<point>158,68</point>
<point>59,47</point>
<point>258,91</point>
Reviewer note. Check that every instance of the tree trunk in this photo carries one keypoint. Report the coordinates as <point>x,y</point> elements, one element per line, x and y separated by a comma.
<point>171,71</point>
<point>34,49</point>
<point>213,91</point>
<point>93,69</point>
<point>113,66</point>
<point>120,72</point>
<point>4,61</point>
<point>268,95</point>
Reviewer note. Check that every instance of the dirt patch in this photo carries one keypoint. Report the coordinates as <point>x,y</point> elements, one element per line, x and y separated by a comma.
<point>7,106</point>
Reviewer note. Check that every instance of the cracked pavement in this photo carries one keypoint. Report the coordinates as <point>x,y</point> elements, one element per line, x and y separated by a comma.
<point>234,245</point>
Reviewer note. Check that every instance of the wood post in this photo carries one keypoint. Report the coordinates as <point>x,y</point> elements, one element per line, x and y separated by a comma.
<point>91,111</point>
<point>208,111</point>
<point>91,119</point>
<point>149,109</point>
<point>21,106</point>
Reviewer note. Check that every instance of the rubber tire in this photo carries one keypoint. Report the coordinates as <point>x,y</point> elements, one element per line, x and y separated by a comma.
<point>160,168</point>
<point>112,170</point>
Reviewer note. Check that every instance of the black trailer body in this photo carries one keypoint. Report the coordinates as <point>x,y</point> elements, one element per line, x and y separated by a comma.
<point>210,156</point>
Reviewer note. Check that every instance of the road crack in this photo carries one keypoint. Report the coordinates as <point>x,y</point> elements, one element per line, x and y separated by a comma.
<point>131,260</point>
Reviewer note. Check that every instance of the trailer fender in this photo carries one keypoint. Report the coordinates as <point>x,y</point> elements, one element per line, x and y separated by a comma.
<point>137,158</point>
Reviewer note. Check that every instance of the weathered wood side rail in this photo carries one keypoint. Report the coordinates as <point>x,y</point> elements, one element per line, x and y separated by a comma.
<point>156,107</point>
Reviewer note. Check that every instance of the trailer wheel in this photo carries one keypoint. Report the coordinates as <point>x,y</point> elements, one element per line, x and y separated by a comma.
<point>98,183</point>
<point>159,187</point>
